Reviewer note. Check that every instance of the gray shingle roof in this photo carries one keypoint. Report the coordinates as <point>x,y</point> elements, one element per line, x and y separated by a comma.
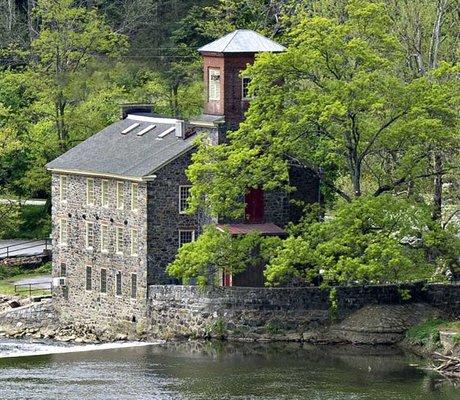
<point>112,153</point>
<point>242,41</point>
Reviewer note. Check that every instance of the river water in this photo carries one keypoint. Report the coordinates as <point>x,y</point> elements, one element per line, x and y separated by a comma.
<point>208,371</point>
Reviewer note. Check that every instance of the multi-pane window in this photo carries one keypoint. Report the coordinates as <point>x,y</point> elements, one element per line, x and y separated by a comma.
<point>88,277</point>
<point>186,236</point>
<point>134,194</point>
<point>133,286</point>
<point>103,280</point>
<point>184,193</point>
<point>104,238</point>
<point>63,187</point>
<point>134,241</point>
<point>118,283</point>
<point>63,228</point>
<point>90,191</point>
<point>89,235</point>
<point>245,87</point>
<point>119,240</point>
<point>105,193</point>
<point>63,272</point>
<point>214,84</point>
<point>120,195</point>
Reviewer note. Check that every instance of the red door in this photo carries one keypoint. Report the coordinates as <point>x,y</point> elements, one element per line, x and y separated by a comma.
<point>255,205</point>
<point>226,278</point>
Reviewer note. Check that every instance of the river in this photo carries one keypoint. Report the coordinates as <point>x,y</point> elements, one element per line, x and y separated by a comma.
<point>208,371</point>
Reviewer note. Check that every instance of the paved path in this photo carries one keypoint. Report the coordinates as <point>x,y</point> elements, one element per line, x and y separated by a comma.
<point>42,282</point>
<point>21,247</point>
<point>30,202</point>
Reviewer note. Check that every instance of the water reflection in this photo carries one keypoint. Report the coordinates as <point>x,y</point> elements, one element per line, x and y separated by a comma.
<point>216,370</point>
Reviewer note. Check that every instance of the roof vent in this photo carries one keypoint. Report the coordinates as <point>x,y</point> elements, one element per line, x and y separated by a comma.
<point>130,128</point>
<point>166,132</point>
<point>145,130</point>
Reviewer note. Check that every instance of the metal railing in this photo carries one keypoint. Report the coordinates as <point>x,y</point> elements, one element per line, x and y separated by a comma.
<point>44,287</point>
<point>13,249</point>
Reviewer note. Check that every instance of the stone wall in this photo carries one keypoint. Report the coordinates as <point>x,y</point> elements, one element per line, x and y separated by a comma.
<point>276,313</point>
<point>73,302</point>
<point>29,317</point>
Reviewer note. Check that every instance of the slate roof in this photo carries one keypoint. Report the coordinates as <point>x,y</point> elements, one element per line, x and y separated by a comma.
<point>242,41</point>
<point>110,152</point>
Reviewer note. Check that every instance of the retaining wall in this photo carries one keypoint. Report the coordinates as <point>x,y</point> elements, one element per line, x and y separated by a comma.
<point>191,311</point>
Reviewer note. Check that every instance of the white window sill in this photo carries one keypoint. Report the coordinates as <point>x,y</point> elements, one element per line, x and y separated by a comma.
<point>104,251</point>
<point>119,253</point>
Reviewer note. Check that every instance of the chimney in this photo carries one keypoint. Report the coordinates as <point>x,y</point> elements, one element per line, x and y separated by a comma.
<point>135,108</point>
<point>180,129</point>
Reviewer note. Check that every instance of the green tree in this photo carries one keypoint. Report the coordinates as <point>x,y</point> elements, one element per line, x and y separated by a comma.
<point>213,252</point>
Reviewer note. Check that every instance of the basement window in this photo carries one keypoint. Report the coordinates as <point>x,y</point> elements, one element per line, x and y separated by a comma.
<point>88,277</point>
<point>103,280</point>
<point>118,283</point>
<point>133,286</point>
<point>186,236</point>
<point>214,84</point>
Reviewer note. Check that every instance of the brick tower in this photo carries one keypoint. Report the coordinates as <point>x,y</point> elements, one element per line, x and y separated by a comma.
<point>223,60</point>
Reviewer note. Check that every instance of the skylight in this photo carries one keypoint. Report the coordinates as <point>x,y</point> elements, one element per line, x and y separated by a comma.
<point>130,128</point>
<point>166,132</point>
<point>145,130</point>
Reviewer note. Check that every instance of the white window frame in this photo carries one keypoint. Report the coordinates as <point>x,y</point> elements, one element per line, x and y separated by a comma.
<point>63,188</point>
<point>120,195</point>
<point>118,242</point>
<point>245,79</point>
<point>181,199</point>
<point>90,197</point>
<point>183,231</point>
<point>63,227</point>
<point>134,245</point>
<point>105,193</point>
<point>104,238</point>
<point>134,196</point>
<point>87,241</point>
<point>214,89</point>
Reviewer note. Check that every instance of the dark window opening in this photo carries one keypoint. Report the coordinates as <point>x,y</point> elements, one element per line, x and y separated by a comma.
<point>133,286</point>
<point>88,278</point>
<point>118,283</point>
<point>103,280</point>
<point>63,270</point>
<point>255,205</point>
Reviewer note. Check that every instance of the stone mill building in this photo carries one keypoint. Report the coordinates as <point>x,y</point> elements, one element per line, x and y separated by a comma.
<point>119,198</point>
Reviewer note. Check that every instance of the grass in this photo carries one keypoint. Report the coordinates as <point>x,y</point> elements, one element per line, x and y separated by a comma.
<point>17,273</point>
<point>427,333</point>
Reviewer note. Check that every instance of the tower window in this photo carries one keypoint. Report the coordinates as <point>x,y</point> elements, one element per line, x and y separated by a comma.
<point>88,278</point>
<point>214,84</point>
<point>245,87</point>
<point>184,192</point>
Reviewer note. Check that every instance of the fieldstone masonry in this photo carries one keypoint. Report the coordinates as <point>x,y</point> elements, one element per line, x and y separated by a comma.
<point>281,313</point>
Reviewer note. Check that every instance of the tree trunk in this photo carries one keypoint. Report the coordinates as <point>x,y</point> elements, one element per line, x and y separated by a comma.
<point>437,193</point>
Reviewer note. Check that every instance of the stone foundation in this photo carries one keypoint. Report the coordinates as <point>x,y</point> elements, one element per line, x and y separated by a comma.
<point>294,314</point>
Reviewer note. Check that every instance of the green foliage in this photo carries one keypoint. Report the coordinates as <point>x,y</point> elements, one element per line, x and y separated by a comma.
<point>425,334</point>
<point>371,240</point>
<point>213,252</point>
<point>333,304</point>
<point>404,294</point>
<point>25,222</point>
<point>219,328</point>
